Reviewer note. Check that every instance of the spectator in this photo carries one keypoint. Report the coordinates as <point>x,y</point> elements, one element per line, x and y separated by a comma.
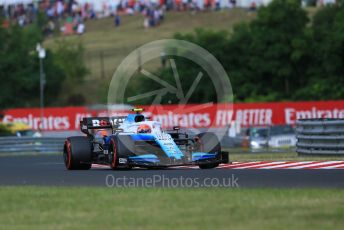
<point>233,3</point>
<point>146,22</point>
<point>49,31</point>
<point>58,10</point>
<point>253,6</point>
<point>156,16</point>
<point>161,14</point>
<point>217,5</point>
<point>117,20</point>
<point>185,4</point>
<point>80,28</point>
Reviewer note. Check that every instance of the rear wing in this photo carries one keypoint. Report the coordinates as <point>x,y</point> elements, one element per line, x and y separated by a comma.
<point>88,123</point>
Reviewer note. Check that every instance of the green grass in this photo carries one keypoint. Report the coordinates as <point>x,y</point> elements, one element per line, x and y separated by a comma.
<point>104,208</point>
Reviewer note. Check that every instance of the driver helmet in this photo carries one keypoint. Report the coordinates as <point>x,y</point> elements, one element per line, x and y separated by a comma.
<point>144,128</point>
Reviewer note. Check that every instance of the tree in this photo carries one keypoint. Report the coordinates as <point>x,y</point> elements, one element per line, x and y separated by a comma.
<point>188,72</point>
<point>278,56</point>
<point>69,56</point>
<point>325,75</point>
<point>266,59</point>
<point>278,48</point>
<point>19,68</point>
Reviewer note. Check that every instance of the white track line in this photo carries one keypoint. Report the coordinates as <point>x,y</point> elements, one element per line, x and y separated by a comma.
<point>334,166</point>
<point>262,165</point>
<point>241,164</point>
<point>312,165</point>
<point>290,164</point>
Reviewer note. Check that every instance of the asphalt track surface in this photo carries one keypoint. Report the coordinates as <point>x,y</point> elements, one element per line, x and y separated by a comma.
<point>50,171</point>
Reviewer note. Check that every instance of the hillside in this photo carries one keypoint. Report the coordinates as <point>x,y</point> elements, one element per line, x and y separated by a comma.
<point>106,46</point>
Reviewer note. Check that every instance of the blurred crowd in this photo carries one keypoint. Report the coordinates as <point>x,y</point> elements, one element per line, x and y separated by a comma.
<point>69,15</point>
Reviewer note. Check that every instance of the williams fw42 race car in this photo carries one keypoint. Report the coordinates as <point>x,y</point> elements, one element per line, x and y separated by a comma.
<point>135,141</point>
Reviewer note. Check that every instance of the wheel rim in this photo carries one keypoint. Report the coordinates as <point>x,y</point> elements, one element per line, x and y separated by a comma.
<point>114,155</point>
<point>68,155</point>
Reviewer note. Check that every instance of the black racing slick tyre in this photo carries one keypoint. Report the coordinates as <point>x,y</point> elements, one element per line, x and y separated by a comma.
<point>77,153</point>
<point>209,143</point>
<point>208,166</point>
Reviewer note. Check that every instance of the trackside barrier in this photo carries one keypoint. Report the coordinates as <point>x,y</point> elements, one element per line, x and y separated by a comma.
<point>30,144</point>
<point>320,136</point>
<point>44,145</point>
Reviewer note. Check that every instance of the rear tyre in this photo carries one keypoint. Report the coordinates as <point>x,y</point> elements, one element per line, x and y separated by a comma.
<point>208,143</point>
<point>77,153</point>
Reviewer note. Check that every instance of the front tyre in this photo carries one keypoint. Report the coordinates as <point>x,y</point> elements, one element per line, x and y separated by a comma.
<point>77,153</point>
<point>121,146</point>
<point>208,166</point>
<point>113,149</point>
<point>209,143</point>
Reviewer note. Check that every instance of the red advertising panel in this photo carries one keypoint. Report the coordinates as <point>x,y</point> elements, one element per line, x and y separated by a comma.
<point>191,116</point>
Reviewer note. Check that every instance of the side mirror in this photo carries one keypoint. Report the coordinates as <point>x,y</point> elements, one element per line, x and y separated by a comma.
<point>176,128</point>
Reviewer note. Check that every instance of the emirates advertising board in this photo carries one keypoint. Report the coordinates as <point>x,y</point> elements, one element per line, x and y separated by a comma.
<point>190,116</point>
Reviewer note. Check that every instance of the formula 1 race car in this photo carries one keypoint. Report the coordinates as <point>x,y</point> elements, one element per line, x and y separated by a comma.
<point>135,141</point>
